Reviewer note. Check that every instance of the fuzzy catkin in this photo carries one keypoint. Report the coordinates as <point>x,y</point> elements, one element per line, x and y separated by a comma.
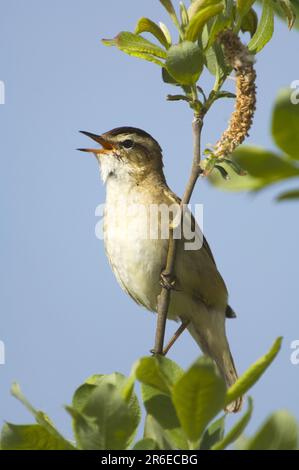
<point>238,56</point>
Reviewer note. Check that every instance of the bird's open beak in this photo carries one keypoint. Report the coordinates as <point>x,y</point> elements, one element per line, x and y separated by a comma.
<point>107,147</point>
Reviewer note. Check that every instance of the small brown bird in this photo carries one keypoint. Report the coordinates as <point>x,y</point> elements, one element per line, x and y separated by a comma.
<point>131,166</point>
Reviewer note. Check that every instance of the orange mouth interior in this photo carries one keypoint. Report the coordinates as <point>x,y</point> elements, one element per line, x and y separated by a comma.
<point>107,147</point>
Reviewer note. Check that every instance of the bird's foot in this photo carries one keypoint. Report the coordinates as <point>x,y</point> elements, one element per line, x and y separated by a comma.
<point>168,281</point>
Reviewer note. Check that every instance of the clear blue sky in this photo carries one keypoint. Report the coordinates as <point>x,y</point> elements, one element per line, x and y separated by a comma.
<point>63,315</point>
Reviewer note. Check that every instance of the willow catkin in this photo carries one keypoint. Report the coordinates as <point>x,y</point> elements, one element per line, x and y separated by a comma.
<point>238,56</point>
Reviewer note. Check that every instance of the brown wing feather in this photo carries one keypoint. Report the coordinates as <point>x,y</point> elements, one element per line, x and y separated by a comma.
<point>229,311</point>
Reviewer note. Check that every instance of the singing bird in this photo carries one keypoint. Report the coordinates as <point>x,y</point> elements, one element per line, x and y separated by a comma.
<point>131,166</point>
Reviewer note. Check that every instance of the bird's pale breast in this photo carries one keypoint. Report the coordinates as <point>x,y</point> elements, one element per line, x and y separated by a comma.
<point>136,260</point>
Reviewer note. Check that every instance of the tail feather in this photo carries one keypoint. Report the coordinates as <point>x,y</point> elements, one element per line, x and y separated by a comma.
<point>228,371</point>
<point>209,332</point>
<point>230,313</point>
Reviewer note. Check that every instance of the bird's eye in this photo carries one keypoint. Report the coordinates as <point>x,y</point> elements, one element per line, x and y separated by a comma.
<point>128,144</point>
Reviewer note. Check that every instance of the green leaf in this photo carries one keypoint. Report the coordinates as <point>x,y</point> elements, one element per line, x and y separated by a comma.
<point>262,166</point>
<point>41,418</point>
<point>82,394</point>
<point>220,23</point>
<point>158,372</point>
<point>198,397</point>
<point>288,195</point>
<point>213,434</point>
<point>166,33</point>
<point>147,57</point>
<point>30,437</point>
<point>201,18</point>
<point>237,430</point>
<point>89,427</point>
<point>236,167</point>
<point>222,172</point>
<point>184,14</point>
<point>137,46</point>
<point>198,5</point>
<point>167,78</point>
<point>225,94</point>
<point>249,23</point>
<point>178,98</point>
<point>146,444</point>
<point>168,6</point>
<point>243,6</point>
<point>253,374</point>
<point>158,376</point>
<point>209,165</point>
<point>171,11</point>
<point>265,28</point>
<point>125,387</point>
<point>230,8</point>
<point>214,60</point>
<point>280,11</point>
<point>131,42</point>
<point>285,124</point>
<point>105,421</point>
<point>213,56</point>
<point>185,62</point>
<point>160,406</point>
<point>279,432</point>
<point>145,25</point>
<point>153,430</point>
<point>288,10</point>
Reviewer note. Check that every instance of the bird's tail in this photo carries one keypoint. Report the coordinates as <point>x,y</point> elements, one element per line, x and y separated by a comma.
<point>208,330</point>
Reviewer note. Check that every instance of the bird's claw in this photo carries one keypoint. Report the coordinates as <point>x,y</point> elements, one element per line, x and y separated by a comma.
<point>168,281</point>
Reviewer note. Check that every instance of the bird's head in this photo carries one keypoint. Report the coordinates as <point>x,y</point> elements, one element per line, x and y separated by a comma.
<point>127,152</point>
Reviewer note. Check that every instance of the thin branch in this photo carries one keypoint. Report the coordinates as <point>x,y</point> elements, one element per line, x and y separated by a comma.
<point>165,296</point>
<point>175,337</point>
